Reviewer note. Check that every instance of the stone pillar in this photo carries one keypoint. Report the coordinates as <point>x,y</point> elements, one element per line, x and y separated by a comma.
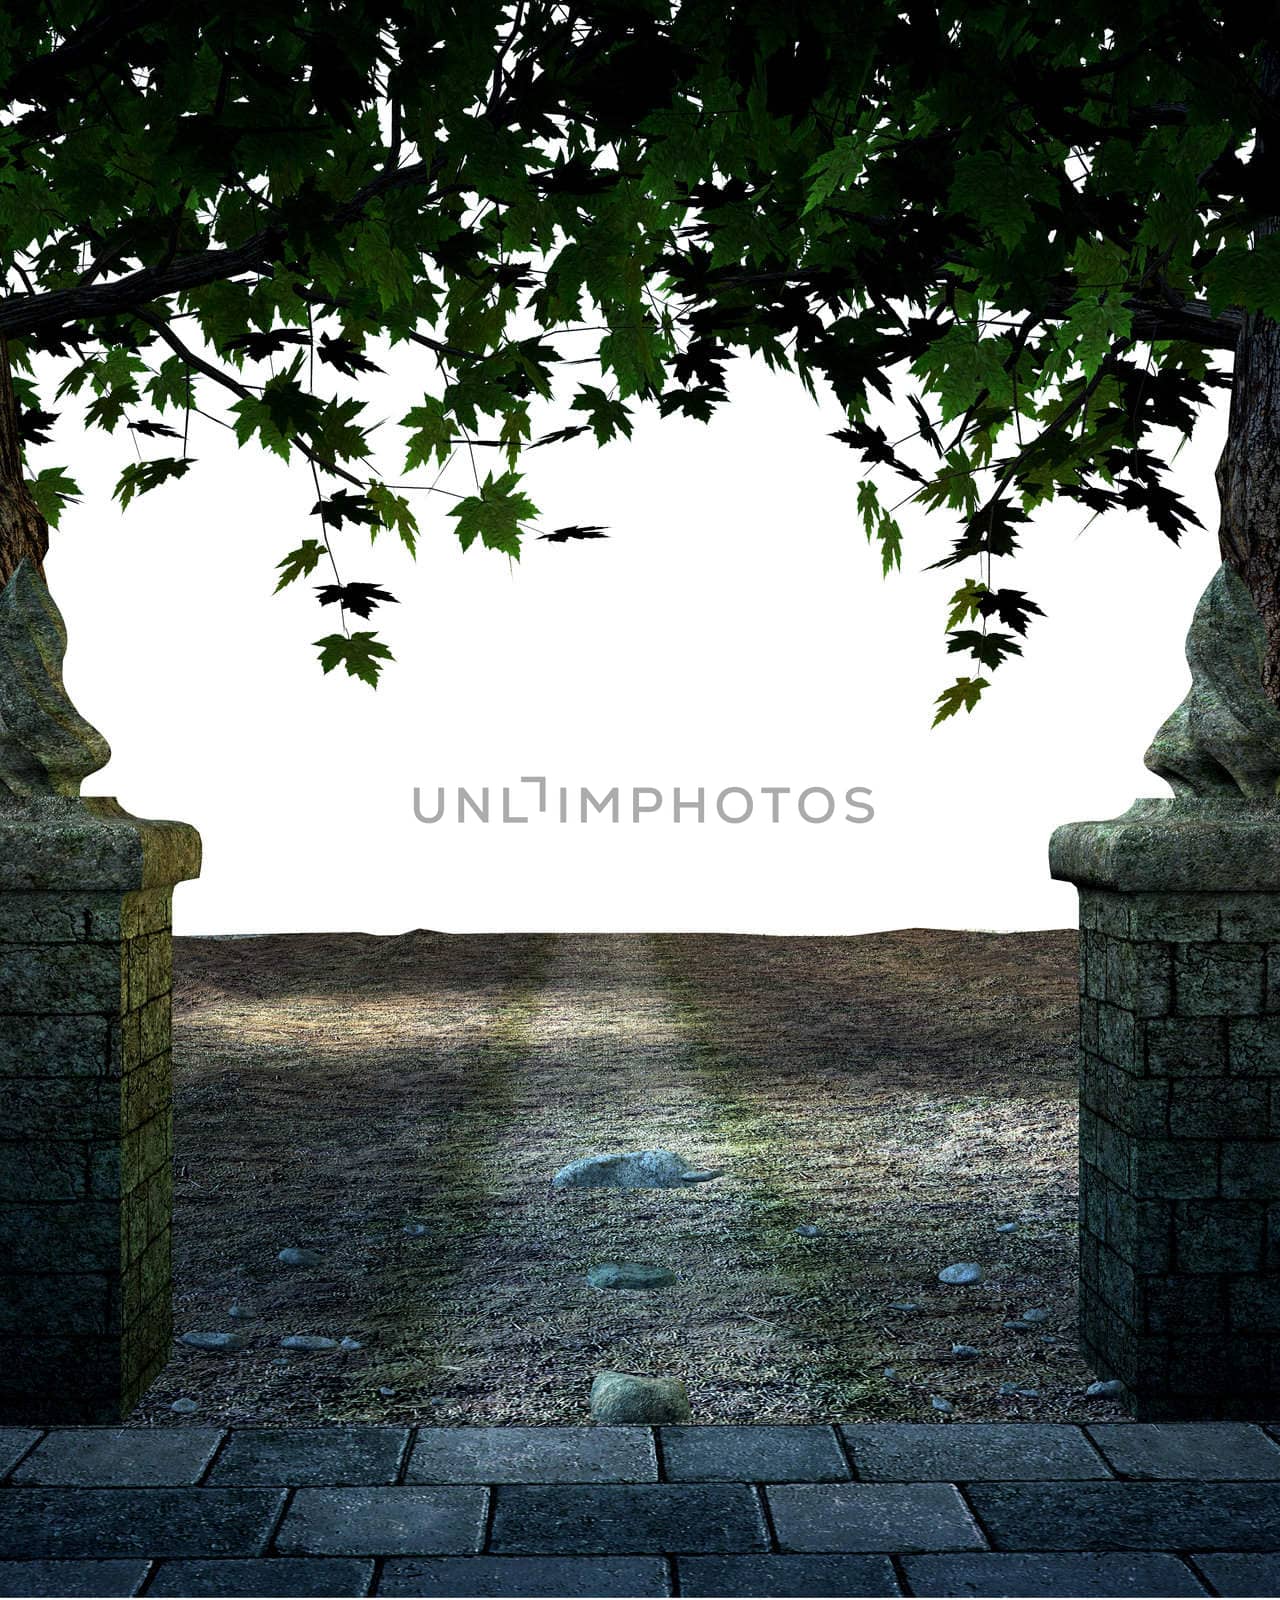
<point>1180,1048</point>
<point>85,1067</point>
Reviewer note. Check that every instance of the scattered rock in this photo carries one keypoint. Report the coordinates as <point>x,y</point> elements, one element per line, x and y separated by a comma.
<point>350,1344</point>
<point>965,1351</point>
<point>808,1230</point>
<point>961,1272</point>
<point>1008,1388</point>
<point>1028,1394</point>
<point>939,1404</point>
<point>1017,1325</point>
<point>624,1397</point>
<point>214,1341</point>
<point>1005,1227</point>
<point>415,1230</point>
<point>634,1169</point>
<point>385,1392</point>
<point>1036,1314</point>
<point>184,1405</point>
<point>891,1372</point>
<point>307,1341</point>
<point>904,1305</point>
<point>1107,1389</point>
<point>292,1256</point>
<point>241,1313</point>
<point>628,1275</point>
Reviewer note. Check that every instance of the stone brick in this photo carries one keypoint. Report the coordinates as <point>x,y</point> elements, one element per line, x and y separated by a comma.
<point>1134,1105</point>
<point>1139,977</point>
<point>731,1575</point>
<point>1254,1046</point>
<point>1273,976</point>
<point>135,965</point>
<point>68,978</point>
<point>753,1454</point>
<point>130,1458</point>
<point>1199,1450</point>
<point>1104,913</point>
<point>56,1045</point>
<point>138,1522</point>
<point>1202,1108</point>
<point>1218,1235</point>
<point>1255,1305</point>
<point>1128,1516</point>
<point>1253,918</point>
<point>155,1027</point>
<point>35,1171</point>
<point>1116,1282</point>
<point>65,1236</point>
<point>1118,1038</point>
<point>1173,1169</point>
<point>1180,1304</point>
<point>397,1521</point>
<point>868,1517</point>
<point>41,919</point>
<point>1088,1136</point>
<point>1216,979</point>
<point>1113,1153</point>
<point>146,911</point>
<point>65,1302</point>
<point>147,1090</point>
<point>62,1108</point>
<point>1174,918</point>
<point>1197,1371</point>
<point>1271,1261</point>
<point>1186,1047</point>
<point>86,1577</point>
<point>1240,1574</point>
<point>332,1456</point>
<point>159,963</point>
<point>1250,1169</point>
<point>1089,1025</point>
<point>246,1576</point>
<point>1095,964</point>
<point>914,1452</point>
<point>1138,1231</point>
<point>1046,1574</point>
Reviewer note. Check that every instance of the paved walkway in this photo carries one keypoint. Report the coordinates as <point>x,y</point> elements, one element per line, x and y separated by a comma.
<point>851,1509</point>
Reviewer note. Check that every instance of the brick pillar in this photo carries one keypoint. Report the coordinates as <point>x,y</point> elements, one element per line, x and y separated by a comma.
<point>1180,1103</point>
<point>85,1127</point>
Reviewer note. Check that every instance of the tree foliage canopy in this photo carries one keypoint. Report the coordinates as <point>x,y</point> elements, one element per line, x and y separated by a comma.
<point>1046,211</point>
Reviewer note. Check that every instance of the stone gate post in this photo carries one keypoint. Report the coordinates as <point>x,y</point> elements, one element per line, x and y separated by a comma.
<point>1180,1048</point>
<point>85,1068</point>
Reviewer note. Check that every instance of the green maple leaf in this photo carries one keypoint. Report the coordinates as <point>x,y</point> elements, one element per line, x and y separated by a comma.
<point>494,514</point>
<point>141,476</point>
<point>360,655</point>
<point>300,563</point>
<point>433,433</point>
<point>965,602</point>
<point>393,512</point>
<point>607,416</point>
<point>963,692</point>
<point>51,489</point>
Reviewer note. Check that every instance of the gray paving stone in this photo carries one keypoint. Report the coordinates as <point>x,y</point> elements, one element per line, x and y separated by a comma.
<point>753,1454</point>
<point>334,1457</point>
<point>1241,1574</point>
<point>137,1522</point>
<point>786,1575</point>
<point>1129,1516</point>
<point>533,1455</point>
<point>72,1577</point>
<point>914,1452</point>
<point>626,1519</point>
<point>567,1576</point>
<point>119,1458</point>
<point>14,1444</point>
<point>1187,1449</point>
<point>274,1575</point>
<point>398,1521</point>
<point>872,1517</point>
<point>1076,1574</point>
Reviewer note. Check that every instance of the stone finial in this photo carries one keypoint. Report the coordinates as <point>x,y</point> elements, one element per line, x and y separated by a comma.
<point>46,746</point>
<point>1223,741</point>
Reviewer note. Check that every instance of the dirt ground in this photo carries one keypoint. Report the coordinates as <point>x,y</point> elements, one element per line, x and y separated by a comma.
<point>904,1092</point>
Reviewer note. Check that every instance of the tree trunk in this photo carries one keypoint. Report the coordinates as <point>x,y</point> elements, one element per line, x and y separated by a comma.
<point>1248,473</point>
<point>23,530</point>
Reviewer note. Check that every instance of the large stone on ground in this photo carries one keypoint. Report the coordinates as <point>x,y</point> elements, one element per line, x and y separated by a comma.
<point>633,1169</point>
<point>624,1397</point>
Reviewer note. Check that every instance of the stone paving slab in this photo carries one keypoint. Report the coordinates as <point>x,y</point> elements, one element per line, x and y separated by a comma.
<point>626,1519</point>
<point>276,1575</point>
<point>120,1458</point>
<point>565,1576</point>
<point>334,1457</point>
<point>137,1522</point>
<point>72,1577</point>
<point>533,1455</point>
<point>916,1452</point>
<point>400,1521</point>
<point>1129,1516</point>
<point>1187,1449</point>
<point>871,1517</point>
<point>1050,1576</point>
<point>1241,1574</point>
<point>786,1575</point>
<point>753,1454</point>
<point>14,1444</point>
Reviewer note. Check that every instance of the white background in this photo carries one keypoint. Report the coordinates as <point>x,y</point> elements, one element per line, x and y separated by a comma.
<point>734,629</point>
